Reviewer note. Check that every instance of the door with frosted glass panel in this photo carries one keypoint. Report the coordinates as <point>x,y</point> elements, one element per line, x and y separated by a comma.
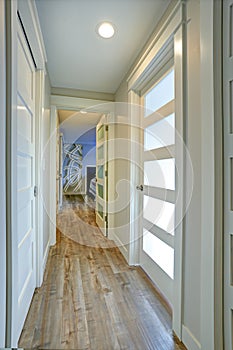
<point>158,189</point>
<point>102,175</point>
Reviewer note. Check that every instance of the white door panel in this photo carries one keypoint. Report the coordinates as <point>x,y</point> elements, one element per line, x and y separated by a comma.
<point>26,73</point>
<point>25,175</point>
<point>158,189</point>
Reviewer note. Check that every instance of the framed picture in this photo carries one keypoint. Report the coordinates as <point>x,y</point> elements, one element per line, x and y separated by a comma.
<point>72,168</point>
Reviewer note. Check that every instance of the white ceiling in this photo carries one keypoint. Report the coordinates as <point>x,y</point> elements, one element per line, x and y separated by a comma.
<point>77,57</point>
<point>74,124</point>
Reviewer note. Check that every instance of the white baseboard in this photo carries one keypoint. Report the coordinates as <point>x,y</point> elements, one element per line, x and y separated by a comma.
<point>189,340</point>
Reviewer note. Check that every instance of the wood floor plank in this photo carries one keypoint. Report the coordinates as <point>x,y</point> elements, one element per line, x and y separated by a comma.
<point>90,298</point>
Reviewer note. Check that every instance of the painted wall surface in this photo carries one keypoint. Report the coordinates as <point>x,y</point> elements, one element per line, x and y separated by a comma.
<point>2,178</point>
<point>46,164</point>
<point>121,217</point>
<point>121,94</point>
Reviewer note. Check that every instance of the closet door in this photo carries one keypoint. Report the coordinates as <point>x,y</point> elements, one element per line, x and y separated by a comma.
<point>24,263</point>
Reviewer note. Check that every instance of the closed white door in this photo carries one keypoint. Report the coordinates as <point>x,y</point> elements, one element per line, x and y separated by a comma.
<point>25,150</point>
<point>102,175</point>
<point>158,187</point>
<point>228,170</point>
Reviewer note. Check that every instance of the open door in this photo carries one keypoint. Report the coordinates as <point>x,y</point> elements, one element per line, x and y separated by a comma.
<point>102,175</point>
<point>158,188</point>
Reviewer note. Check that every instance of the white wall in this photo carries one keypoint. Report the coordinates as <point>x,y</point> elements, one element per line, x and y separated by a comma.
<point>2,178</point>
<point>46,165</point>
<point>121,217</point>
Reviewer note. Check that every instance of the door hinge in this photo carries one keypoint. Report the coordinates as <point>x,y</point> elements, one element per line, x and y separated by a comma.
<point>35,191</point>
<point>106,218</point>
<point>139,187</point>
<point>106,173</point>
<point>106,127</point>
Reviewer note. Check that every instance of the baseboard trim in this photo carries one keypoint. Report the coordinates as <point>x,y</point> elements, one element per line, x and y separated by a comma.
<point>189,340</point>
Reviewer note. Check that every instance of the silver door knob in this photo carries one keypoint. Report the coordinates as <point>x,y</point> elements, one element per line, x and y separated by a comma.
<point>139,187</point>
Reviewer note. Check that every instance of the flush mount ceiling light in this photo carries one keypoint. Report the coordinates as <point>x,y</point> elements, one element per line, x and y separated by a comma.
<point>83,111</point>
<point>105,30</point>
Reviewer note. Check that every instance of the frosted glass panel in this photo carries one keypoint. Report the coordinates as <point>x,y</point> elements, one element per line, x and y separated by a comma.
<point>162,93</point>
<point>101,152</point>
<point>160,252</point>
<point>159,213</point>
<point>100,191</point>
<point>160,173</point>
<point>100,210</point>
<point>101,171</point>
<point>100,133</point>
<point>160,134</point>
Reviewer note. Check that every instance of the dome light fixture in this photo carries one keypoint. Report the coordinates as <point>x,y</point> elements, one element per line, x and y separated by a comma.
<point>106,30</point>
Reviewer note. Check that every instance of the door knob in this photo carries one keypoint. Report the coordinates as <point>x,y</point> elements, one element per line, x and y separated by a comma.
<point>139,187</point>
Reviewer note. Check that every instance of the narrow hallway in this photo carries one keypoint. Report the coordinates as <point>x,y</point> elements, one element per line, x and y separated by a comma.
<point>90,297</point>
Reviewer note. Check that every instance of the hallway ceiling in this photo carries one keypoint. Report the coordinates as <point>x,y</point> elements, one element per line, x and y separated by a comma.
<point>77,57</point>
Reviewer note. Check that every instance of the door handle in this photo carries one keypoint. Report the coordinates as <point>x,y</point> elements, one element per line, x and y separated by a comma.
<point>139,187</point>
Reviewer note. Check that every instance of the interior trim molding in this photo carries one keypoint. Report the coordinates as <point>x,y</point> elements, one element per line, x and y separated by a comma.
<point>148,53</point>
<point>105,96</point>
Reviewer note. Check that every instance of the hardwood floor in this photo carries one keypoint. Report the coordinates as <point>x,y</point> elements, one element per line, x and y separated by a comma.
<point>91,298</point>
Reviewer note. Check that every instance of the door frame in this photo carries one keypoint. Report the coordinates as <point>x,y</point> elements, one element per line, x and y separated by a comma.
<point>173,27</point>
<point>73,104</point>
<point>212,163</point>
<point>3,173</point>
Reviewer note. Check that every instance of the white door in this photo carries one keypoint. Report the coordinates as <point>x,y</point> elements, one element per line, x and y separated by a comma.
<point>228,170</point>
<point>102,175</point>
<point>25,150</point>
<point>158,187</point>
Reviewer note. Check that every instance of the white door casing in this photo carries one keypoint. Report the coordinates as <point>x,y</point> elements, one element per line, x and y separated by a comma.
<point>228,170</point>
<point>2,175</point>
